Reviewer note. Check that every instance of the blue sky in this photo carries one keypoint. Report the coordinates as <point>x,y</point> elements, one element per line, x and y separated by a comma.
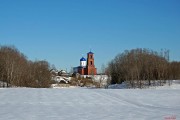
<point>60,31</point>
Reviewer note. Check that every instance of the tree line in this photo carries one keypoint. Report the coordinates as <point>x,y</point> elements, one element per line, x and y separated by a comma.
<point>16,70</point>
<point>143,67</point>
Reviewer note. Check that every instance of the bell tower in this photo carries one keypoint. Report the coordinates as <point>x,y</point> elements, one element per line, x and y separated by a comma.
<point>91,70</point>
<point>90,59</point>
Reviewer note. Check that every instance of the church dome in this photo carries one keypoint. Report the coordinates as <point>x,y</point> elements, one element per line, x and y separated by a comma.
<point>82,59</point>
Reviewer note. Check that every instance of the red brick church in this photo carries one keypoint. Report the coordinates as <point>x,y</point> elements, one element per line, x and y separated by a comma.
<point>86,67</point>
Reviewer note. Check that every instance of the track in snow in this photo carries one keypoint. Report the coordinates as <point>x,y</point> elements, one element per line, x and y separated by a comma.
<point>88,104</point>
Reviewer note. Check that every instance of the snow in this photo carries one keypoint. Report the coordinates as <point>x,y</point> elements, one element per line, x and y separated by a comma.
<point>175,85</point>
<point>89,104</point>
<point>118,86</point>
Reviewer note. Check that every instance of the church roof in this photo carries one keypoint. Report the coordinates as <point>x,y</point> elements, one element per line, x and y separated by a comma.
<point>82,59</point>
<point>90,52</point>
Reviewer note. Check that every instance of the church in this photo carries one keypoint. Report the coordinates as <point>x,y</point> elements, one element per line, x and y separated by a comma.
<point>87,66</point>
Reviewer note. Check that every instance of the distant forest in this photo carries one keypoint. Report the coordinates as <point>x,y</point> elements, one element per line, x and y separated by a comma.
<point>17,70</point>
<point>143,67</point>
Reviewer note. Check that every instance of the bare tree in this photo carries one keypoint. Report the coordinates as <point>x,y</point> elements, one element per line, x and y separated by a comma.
<point>141,67</point>
<point>16,70</point>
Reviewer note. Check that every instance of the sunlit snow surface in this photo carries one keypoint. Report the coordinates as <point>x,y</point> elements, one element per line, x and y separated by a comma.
<point>89,104</point>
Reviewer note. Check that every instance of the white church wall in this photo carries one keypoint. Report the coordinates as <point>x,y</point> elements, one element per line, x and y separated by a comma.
<point>83,63</point>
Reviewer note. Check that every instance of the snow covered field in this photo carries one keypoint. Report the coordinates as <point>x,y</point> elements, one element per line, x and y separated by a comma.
<point>89,104</point>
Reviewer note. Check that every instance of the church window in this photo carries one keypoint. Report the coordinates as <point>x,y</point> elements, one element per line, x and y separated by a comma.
<point>91,56</point>
<point>91,62</point>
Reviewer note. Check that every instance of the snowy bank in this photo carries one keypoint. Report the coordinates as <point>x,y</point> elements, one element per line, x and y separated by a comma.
<point>175,85</point>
